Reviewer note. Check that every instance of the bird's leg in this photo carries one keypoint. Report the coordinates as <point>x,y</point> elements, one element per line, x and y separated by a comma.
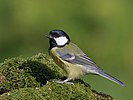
<point>64,81</point>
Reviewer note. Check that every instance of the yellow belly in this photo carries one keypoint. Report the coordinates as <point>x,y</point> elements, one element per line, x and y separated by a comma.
<point>73,71</point>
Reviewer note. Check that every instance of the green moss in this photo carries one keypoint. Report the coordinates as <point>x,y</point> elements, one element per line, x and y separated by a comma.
<point>31,79</point>
<point>30,72</point>
<point>55,91</point>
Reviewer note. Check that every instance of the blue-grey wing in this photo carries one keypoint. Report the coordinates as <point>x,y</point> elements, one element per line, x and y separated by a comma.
<point>89,65</point>
<point>78,59</point>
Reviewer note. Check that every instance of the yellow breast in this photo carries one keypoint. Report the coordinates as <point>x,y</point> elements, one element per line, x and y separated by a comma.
<point>73,70</point>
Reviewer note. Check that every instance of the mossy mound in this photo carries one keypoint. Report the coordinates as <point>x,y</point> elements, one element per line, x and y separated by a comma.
<point>31,72</point>
<point>31,79</point>
<point>55,91</point>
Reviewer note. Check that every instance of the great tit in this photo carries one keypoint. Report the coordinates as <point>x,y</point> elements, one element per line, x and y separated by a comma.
<point>72,59</point>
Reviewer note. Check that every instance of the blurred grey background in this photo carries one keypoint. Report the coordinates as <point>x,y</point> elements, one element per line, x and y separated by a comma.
<point>102,29</point>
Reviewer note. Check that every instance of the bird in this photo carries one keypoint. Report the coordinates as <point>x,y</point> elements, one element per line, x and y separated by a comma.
<point>72,59</point>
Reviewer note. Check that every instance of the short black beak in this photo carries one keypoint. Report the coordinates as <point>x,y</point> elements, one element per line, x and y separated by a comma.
<point>46,36</point>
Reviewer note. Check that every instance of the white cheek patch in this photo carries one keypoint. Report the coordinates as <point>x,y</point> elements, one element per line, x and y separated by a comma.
<point>61,40</point>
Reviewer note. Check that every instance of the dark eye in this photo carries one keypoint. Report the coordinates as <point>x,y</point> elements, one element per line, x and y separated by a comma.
<point>55,35</point>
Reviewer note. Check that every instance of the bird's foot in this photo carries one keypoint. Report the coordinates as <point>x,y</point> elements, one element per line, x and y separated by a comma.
<point>64,81</point>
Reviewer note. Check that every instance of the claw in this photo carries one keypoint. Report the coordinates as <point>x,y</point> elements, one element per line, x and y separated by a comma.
<point>64,81</point>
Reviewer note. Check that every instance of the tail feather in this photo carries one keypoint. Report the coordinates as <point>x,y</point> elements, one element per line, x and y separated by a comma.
<point>107,76</point>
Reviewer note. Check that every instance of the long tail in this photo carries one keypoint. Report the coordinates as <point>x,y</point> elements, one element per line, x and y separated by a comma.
<point>105,75</point>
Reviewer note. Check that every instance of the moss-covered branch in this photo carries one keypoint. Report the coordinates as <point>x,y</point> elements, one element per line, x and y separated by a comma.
<point>31,79</point>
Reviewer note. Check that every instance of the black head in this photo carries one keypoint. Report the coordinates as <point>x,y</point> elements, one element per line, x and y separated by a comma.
<point>58,38</point>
